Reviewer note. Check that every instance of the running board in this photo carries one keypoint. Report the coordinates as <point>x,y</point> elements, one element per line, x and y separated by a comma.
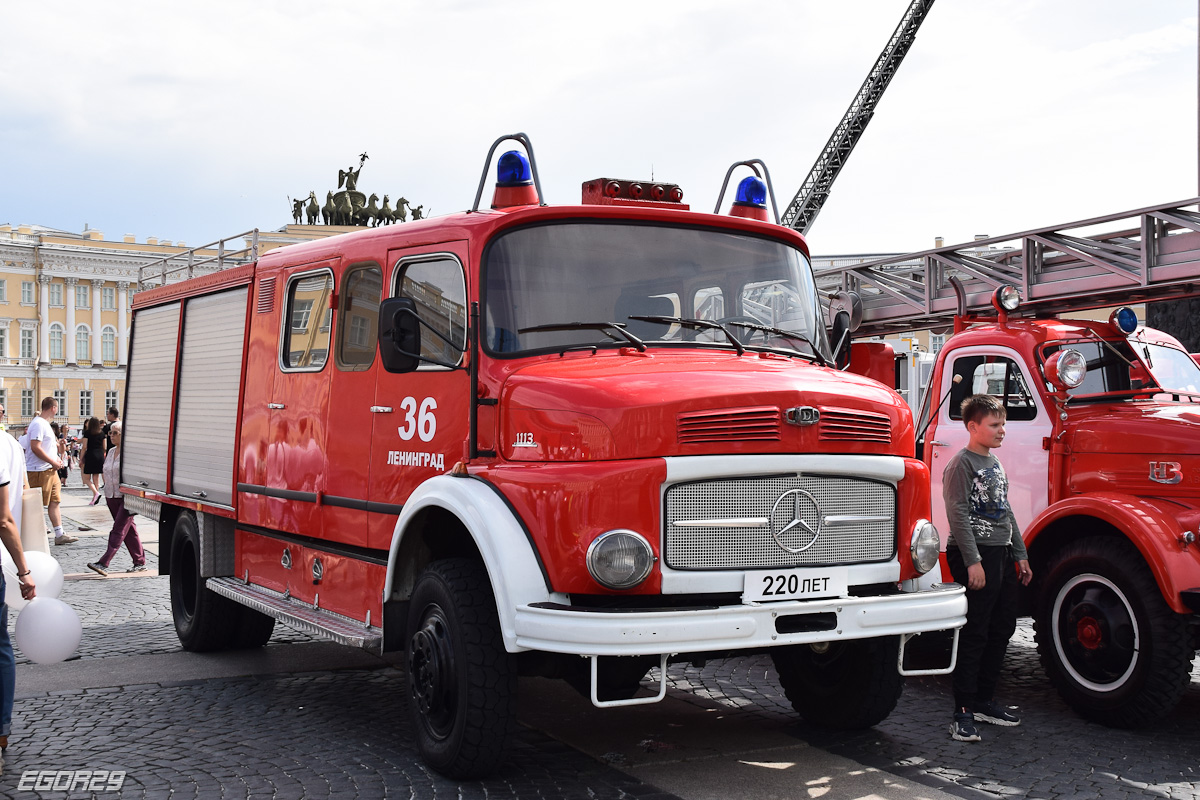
<point>309,619</point>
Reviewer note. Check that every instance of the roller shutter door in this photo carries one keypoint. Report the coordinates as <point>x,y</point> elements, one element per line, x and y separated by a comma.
<point>147,424</point>
<point>210,376</point>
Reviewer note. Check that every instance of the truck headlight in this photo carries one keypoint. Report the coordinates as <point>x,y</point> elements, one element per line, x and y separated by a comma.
<point>925,546</point>
<point>620,559</point>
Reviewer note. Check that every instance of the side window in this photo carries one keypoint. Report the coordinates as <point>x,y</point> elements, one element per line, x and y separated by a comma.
<point>305,337</point>
<point>997,376</point>
<point>358,310</point>
<point>439,290</point>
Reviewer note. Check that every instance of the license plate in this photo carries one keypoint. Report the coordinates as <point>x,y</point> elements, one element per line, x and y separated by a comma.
<point>794,584</point>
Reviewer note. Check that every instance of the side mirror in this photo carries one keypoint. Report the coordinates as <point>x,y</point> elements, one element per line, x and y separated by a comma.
<point>399,334</point>
<point>841,339</point>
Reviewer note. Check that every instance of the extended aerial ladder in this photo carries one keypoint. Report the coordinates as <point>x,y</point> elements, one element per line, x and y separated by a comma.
<point>1146,254</point>
<point>815,190</point>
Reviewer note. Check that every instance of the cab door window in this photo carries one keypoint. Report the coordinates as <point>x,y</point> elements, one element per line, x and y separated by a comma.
<point>438,288</point>
<point>306,325</point>
<point>995,375</point>
<point>358,312</point>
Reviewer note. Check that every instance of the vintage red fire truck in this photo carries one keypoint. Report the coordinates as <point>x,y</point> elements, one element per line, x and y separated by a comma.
<point>575,441</point>
<point>1102,443</point>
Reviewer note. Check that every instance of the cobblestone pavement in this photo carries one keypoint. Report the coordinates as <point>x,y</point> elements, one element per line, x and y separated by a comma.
<point>341,733</point>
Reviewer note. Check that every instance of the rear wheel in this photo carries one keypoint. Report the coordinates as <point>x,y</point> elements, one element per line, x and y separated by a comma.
<point>845,685</point>
<point>1111,645</point>
<point>204,620</point>
<point>462,684</point>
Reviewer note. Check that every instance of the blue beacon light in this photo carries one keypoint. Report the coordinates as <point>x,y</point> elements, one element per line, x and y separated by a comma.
<point>514,182</point>
<point>751,199</point>
<point>1125,320</point>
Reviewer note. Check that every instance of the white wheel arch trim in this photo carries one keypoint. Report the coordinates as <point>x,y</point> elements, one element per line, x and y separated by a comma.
<point>1089,577</point>
<point>508,555</point>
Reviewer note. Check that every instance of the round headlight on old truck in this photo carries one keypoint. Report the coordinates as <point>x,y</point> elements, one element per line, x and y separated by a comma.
<point>620,559</point>
<point>925,546</point>
<point>1066,369</point>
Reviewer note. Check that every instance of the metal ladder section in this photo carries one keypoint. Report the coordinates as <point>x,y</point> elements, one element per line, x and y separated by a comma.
<point>157,272</point>
<point>1131,257</point>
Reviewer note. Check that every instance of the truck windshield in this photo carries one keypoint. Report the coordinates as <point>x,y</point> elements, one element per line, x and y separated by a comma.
<point>597,272</point>
<point>1173,370</point>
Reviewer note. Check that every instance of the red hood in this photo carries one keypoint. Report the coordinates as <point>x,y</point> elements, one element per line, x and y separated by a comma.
<point>621,405</point>
<point>1146,449</point>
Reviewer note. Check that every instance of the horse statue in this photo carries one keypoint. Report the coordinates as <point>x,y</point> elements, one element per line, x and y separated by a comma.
<point>386,215</point>
<point>370,214</point>
<point>343,213</point>
<point>327,209</point>
<point>312,209</point>
<point>401,211</point>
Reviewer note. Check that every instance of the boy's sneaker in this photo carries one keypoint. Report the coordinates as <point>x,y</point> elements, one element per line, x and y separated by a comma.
<point>963,728</point>
<point>95,567</point>
<point>992,712</point>
<point>66,538</point>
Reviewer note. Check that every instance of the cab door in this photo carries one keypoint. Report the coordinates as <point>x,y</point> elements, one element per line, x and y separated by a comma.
<point>297,404</point>
<point>420,418</point>
<point>352,396</point>
<point>1001,372</point>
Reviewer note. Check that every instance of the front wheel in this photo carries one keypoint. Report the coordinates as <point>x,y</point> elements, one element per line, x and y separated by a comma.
<point>462,684</point>
<point>844,685</point>
<point>1111,645</point>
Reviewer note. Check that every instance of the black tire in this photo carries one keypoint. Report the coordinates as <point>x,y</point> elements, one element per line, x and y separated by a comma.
<point>844,685</point>
<point>204,621</point>
<point>462,684</point>
<point>254,629</point>
<point>1113,648</point>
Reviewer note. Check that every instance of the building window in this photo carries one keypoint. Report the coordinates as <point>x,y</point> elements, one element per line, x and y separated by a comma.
<point>27,343</point>
<point>110,298</point>
<point>108,344</point>
<point>56,341</point>
<point>110,400</point>
<point>4,399</point>
<point>60,397</point>
<point>83,343</point>
<point>3,342</point>
<point>56,294</point>
<point>83,296</point>
<point>3,290</point>
<point>27,293</point>
<point>936,342</point>
<point>27,402</point>
<point>85,404</point>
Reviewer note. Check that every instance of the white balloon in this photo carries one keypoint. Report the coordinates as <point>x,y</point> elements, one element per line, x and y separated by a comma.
<point>47,573</point>
<point>48,630</point>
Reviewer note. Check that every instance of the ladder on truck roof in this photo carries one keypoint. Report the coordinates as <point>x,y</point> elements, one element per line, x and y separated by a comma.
<point>1132,257</point>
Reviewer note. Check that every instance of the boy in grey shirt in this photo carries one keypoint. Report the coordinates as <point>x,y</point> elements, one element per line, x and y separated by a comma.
<point>986,554</point>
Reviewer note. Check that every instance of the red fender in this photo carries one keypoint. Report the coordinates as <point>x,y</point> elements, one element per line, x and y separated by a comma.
<point>1153,526</point>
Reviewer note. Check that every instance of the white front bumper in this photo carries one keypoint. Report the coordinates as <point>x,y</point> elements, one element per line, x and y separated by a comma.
<point>558,629</point>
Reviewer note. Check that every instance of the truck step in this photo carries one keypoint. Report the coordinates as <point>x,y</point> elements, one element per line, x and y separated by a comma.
<point>340,629</point>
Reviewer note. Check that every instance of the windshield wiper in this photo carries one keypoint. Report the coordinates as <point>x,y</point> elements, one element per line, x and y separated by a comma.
<point>696,324</point>
<point>603,327</point>
<point>787,335</point>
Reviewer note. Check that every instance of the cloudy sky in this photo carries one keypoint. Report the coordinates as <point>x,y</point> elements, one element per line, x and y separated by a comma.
<point>192,121</point>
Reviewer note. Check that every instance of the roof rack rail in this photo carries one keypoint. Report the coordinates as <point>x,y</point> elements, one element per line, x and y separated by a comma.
<point>157,272</point>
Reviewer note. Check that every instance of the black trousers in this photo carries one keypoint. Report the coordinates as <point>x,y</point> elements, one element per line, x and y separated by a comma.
<point>991,620</point>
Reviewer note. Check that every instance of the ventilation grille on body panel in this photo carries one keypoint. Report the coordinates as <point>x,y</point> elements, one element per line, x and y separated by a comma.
<point>729,425</point>
<point>266,295</point>
<point>849,425</point>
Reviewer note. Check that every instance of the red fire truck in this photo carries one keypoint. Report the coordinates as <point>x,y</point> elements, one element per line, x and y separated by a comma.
<point>1102,438</point>
<point>572,441</point>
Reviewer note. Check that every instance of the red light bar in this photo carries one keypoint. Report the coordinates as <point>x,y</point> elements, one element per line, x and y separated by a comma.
<point>648,194</point>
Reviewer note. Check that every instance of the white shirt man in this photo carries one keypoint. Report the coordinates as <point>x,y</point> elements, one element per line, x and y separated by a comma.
<point>42,464</point>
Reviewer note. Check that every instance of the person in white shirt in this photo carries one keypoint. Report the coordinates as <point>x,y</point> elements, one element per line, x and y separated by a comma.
<point>12,480</point>
<point>42,463</point>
